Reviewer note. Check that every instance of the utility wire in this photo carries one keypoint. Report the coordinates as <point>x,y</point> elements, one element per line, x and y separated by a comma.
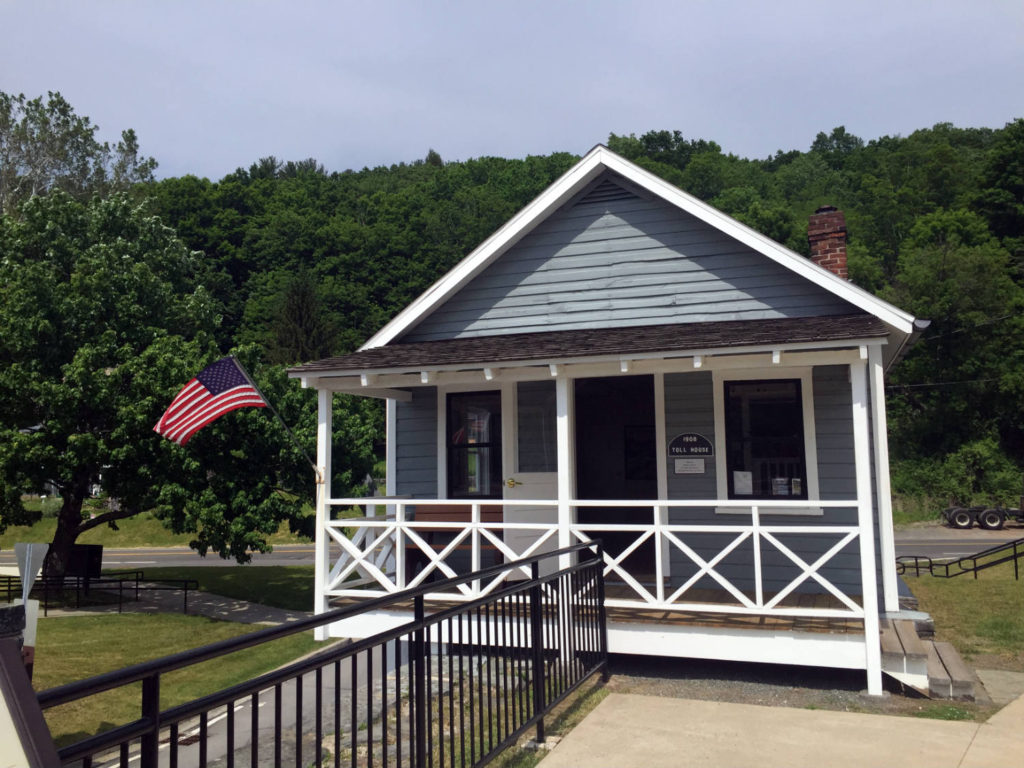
<point>990,321</point>
<point>939,384</point>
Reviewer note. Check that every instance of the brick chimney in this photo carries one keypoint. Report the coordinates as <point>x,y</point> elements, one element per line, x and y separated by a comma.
<point>826,233</point>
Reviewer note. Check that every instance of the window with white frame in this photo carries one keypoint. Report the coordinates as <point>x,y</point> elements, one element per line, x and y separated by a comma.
<point>765,435</point>
<point>473,445</point>
<point>764,439</point>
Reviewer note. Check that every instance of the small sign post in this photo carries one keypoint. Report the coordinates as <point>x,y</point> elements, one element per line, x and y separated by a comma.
<point>30,561</point>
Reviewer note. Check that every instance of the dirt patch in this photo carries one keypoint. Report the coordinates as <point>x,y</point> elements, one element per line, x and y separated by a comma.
<point>778,686</point>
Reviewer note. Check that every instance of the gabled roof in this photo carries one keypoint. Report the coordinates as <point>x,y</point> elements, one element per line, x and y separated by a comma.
<point>596,162</point>
<point>632,341</point>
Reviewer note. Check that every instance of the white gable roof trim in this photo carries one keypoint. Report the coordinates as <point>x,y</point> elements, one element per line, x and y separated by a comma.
<point>596,162</point>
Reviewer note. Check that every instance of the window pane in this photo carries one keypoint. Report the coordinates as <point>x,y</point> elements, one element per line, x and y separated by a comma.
<point>474,445</point>
<point>765,440</point>
<point>535,427</point>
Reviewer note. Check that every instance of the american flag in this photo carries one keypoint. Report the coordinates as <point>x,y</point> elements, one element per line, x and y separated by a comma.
<point>218,388</point>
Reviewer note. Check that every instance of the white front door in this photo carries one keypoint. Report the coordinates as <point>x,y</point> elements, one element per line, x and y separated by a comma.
<point>530,462</point>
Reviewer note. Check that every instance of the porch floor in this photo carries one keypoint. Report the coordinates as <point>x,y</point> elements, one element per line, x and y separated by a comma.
<point>640,614</point>
<point>829,624</point>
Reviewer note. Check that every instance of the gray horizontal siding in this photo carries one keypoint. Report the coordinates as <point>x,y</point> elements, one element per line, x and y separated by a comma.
<point>689,407</point>
<point>833,422</point>
<point>416,449</point>
<point>623,262</point>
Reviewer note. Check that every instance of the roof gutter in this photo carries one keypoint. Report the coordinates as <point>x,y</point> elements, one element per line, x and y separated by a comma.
<point>920,326</point>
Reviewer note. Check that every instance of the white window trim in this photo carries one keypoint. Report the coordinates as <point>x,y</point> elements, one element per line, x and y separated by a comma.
<point>507,390</point>
<point>805,376</point>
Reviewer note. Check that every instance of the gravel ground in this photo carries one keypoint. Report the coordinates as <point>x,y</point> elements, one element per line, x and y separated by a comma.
<point>778,686</point>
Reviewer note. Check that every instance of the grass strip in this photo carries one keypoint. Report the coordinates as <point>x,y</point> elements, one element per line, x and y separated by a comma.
<point>72,648</point>
<point>143,530</point>
<point>983,616</point>
<point>280,586</point>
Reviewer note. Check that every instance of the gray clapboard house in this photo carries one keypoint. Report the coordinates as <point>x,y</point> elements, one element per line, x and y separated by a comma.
<point>622,361</point>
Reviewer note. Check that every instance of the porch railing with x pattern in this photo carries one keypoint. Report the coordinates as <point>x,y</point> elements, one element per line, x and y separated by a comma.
<point>389,550</point>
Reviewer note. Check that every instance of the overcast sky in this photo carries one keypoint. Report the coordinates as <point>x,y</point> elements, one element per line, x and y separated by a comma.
<point>211,86</point>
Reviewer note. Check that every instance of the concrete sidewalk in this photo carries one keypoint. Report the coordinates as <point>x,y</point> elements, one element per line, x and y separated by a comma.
<point>628,730</point>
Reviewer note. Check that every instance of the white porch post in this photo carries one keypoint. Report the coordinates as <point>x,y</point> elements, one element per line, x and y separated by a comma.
<point>662,547</point>
<point>321,563</point>
<point>563,435</point>
<point>869,587</point>
<point>883,492</point>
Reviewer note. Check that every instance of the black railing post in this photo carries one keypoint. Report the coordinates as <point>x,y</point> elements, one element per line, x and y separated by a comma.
<point>537,643</point>
<point>602,618</point>
<point>420,684</point>
<point>150,742</point>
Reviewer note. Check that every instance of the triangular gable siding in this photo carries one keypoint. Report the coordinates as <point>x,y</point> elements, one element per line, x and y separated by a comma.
<point>615,259</point>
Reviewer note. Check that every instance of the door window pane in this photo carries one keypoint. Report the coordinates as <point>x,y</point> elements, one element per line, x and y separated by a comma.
<point>474,445</point>
<point>764,434</point>
<point>535,427</point>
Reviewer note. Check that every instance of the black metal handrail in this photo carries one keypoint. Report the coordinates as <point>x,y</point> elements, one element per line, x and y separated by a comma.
<point>549,630</point>
<point>108,581</point>
<point>1010,551</point>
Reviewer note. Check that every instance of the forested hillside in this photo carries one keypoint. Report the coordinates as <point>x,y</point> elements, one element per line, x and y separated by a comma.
<point>309,263</point>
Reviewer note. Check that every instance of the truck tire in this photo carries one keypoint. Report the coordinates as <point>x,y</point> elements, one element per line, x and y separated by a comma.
<point>991,519</point>
<point>961,518</point>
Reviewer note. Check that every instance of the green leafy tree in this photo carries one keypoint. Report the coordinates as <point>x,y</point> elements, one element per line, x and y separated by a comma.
<point>836,147</point>
<point>1001,198</point>
<point>98,320</point>
<point>45,145</point>
<point>954,272</point>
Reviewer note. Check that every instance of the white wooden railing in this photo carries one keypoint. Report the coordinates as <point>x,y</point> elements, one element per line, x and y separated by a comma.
<point>368,555</point>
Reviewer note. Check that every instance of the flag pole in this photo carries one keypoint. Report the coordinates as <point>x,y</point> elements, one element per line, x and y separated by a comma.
<point>295,440</point>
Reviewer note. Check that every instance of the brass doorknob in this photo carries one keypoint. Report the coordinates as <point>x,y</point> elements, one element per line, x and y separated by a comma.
<point>512,482</point>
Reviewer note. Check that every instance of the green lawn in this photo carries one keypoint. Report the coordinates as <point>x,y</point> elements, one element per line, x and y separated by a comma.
<point>282,586</point>
<point>980,618</point>
<point>144,530</point>
<point>73,648</point>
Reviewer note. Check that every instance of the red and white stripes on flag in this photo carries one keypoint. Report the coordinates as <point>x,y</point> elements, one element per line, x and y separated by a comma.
<point>216,390</point>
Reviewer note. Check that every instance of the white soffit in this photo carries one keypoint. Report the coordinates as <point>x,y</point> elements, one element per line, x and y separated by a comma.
<point>598,160</point>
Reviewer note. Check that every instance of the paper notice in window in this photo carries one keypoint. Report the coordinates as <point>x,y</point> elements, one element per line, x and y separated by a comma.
<point>743,483</point>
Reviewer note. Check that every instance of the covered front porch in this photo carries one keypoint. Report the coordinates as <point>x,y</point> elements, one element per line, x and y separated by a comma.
<point>711,550</point>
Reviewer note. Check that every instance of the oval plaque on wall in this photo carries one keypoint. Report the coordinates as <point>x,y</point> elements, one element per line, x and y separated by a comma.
<point>690,444</point>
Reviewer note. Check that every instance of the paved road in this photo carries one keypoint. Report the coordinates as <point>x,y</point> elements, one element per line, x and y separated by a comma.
<point>939,541</point>
<point>930,540</point>
<point>177,557</point>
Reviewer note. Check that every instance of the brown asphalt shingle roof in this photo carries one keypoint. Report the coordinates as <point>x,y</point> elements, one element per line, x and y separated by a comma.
<point>553,346</point>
